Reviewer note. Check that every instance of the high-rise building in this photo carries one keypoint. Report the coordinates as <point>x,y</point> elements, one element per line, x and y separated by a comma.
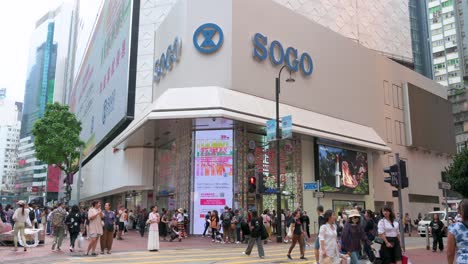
<point>46,78</point>
<point>420,38</point>
<point>450,58</point>
<point>10,123</point>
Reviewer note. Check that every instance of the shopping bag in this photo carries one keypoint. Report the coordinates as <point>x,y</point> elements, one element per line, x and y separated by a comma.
<point>405,260</point>
<point>80,241</point>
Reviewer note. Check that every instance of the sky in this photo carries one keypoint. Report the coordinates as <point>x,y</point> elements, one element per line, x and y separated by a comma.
<point>17,22</point>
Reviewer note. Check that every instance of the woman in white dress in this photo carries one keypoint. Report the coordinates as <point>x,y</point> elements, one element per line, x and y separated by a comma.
<point>329,247</point>
<point>153,236</point>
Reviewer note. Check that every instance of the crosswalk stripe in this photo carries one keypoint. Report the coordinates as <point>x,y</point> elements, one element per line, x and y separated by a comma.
<point>194,258</point>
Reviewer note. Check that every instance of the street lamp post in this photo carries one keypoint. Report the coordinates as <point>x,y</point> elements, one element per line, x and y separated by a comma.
<point>279,238</point>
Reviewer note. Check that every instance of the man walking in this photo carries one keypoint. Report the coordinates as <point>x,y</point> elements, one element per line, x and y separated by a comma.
<point>58,222</point>
<point>321,221</point>
<point>207,222</point>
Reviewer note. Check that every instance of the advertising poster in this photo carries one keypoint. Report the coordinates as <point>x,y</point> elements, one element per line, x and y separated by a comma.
<point>100,93</point>
<point>213,174</point>
<point>286,125</point>
<point>343,170</point>
<point>271,130</point>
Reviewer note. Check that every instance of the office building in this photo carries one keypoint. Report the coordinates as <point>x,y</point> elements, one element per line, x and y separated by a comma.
<point>45,83</point>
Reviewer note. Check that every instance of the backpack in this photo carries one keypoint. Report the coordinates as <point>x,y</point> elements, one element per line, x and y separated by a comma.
<point>32,215</point>
<point>57,219</point>
<point>226,218</point>
<point>263,232</point>
<point>256,231</point>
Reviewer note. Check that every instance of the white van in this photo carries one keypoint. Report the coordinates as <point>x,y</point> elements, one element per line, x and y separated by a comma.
<point>427,220</point>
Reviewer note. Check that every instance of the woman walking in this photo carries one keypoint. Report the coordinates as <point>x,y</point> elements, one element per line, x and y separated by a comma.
<point>389,231</point>
<point>457,241</point>
<point>109,227</point>
<point>142,217</point>
<point>163,225</point>
<point>153,236</point>
<point>437,228</point>
<point>352,236</point>
<point>73,221</point>
<point>297,235</point>
<point>329,248</point>
<point>214,226</point>
<point>256,227</point>
<point>267,222</point>
<point>20,217</point>
<point>95,226</point>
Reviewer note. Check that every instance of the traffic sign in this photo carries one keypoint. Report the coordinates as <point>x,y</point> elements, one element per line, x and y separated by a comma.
<point>445,186</point>
<point>310,186</point>
<point>318,194</point>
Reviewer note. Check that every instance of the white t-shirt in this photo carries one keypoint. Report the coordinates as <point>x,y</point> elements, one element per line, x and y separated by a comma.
<point>385,227</point>
<point>180,218</point>
<point>328,235</point>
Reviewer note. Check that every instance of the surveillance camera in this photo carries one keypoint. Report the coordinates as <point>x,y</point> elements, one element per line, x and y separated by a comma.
<point>214,119</point>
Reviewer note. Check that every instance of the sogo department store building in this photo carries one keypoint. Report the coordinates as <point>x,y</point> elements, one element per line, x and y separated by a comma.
<point>201,134</point>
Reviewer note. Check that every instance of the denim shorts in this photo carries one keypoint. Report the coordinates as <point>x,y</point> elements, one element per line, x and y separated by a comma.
<point>317,243</point>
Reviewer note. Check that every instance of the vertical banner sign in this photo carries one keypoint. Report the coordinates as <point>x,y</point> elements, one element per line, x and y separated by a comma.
<point>271,130</point>
<point>286,126</point>
<point>213,174</point>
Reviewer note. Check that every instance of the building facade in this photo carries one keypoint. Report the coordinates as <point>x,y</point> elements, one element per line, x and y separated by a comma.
<point>199,130</point>
<point>10,124</point>
<point>45,83</point>
<point>450,58</point>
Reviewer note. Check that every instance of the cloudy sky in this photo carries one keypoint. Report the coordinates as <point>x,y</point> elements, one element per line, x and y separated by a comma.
<point>17,21</point>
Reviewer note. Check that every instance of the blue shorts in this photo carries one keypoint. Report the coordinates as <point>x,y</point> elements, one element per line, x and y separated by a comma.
<point>317,243</point>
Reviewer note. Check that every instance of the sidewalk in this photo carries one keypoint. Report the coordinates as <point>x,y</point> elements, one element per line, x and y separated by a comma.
<point>134,242</point>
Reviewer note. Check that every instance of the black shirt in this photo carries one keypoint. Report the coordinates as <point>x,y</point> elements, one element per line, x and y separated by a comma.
<point>297,226</point>
<point>321,221</point>
<point>256,225</point>
<point>436,226</point>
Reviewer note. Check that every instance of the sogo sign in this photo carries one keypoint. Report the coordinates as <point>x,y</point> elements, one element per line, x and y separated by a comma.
<point>166,61</point>
<point>278,55</point>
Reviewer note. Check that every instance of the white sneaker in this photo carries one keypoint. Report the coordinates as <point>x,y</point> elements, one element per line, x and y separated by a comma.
<point>237,242</point>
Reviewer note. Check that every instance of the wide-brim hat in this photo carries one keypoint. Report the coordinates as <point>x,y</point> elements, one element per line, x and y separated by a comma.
<point>21,202</point>
<point>354,213</point>
<point>180,210</point>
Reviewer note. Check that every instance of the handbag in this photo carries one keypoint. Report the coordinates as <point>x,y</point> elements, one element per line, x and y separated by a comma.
<point>379,240</point>
<point>80,241</point>
<point>290,231</point>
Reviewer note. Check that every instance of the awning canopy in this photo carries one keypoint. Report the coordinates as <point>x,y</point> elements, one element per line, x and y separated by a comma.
<point>202,102</point>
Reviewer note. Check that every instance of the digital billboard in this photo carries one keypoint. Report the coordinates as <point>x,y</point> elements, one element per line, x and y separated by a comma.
<point>343,170</point>
<point>103,94</point>
<point>212,174</point>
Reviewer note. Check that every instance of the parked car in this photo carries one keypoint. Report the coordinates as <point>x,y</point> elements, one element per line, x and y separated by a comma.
<point>428,218</point>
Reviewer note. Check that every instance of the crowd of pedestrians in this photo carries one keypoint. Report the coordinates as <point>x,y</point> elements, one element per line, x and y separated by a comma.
<point>343,237</point>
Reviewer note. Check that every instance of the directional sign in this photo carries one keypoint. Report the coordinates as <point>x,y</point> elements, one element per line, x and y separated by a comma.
<point>311,186</point>
<point>444,186</point>
<point>318,194</point>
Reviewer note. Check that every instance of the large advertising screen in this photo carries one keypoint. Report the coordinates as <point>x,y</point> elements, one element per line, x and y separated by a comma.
<point>212,174</point>
<point>103,94</point>
<point>343,170</point>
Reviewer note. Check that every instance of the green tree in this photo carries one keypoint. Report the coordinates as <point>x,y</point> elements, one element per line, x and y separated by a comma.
<point>57,141</point>
<point>457,173</point>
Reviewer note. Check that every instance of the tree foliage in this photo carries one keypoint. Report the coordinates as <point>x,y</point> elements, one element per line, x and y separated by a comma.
<point>57,138</point>
<point>457,173</point>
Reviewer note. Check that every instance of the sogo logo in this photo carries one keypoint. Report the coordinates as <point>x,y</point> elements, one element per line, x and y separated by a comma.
<point>166,61</point>
<point>278,56</point>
